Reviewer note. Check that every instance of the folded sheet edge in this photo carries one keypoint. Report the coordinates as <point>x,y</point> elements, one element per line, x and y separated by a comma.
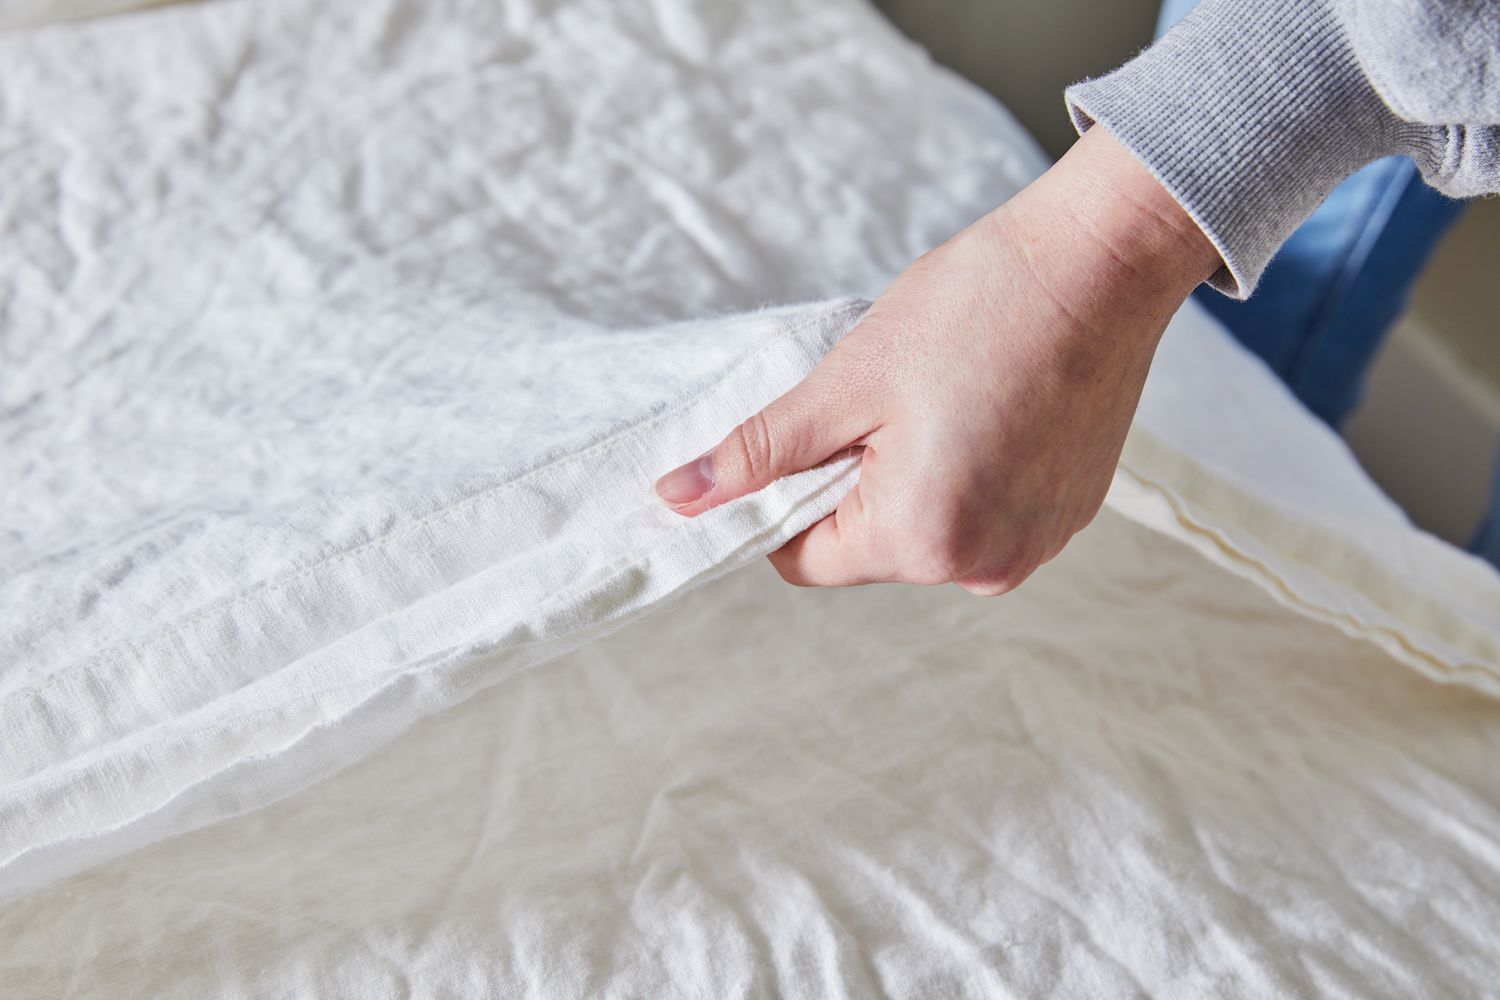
<point>1324,577</point>
<point>316,715</point>
<point>254,744</point>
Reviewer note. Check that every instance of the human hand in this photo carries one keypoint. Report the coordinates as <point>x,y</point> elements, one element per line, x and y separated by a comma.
<point>989,389</point>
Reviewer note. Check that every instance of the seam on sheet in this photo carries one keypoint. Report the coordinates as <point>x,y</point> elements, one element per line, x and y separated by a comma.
<point>111,653</point>
<point>454,655</point>
<point>1146,448</point>
<point>485,647</point>
<point>1277,586</point>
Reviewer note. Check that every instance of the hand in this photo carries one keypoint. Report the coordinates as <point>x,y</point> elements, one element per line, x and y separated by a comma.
<point>989,389</point>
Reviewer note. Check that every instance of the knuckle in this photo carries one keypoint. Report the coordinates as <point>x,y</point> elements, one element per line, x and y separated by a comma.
<point>986,587</point>
<point>755,448</point>
<point>1003,575</point>
<point>1013,572</point>
<point>1086,516</point>
<point>940,558</point>
<point>787,569</point>
<point>795,580</point>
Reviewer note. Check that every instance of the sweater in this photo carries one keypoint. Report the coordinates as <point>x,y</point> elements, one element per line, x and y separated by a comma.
<point>1249,112</point>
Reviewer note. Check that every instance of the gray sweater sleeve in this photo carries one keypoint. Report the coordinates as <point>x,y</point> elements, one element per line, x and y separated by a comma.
<point>1250,111</point>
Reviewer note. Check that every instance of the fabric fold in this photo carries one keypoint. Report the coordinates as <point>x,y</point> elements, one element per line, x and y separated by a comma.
<point>333,397</point>
<point>344,342</point>
<point>1306,524</point>
<point>82,783</point>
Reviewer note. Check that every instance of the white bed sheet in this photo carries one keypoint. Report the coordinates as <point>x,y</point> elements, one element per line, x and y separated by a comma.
<point>271,305</point>
<point>1148,781</point>
<point>310,348</point>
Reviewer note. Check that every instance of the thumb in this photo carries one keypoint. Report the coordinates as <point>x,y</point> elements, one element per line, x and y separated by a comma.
<point>815,419</point>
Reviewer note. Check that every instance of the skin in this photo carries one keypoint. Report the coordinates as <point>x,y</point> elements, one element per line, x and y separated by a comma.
<point>988,390</point>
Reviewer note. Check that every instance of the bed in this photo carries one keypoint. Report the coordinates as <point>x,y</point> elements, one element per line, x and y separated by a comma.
<point>344,651</point>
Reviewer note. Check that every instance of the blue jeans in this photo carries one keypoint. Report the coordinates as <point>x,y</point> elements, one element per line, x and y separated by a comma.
<point>1486,543</point>
<point>1335,288</point>
<point>1332,292</point>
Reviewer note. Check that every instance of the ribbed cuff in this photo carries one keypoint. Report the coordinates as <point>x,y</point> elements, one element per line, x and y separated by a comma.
<point>1249,113</point>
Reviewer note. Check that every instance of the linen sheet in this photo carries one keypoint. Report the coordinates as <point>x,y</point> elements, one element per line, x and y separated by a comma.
<point>300,338</point>
<point>335,384</point>
<point>1139,775</point>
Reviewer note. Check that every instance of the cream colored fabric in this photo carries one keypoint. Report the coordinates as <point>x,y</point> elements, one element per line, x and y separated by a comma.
<point>1138,775</point>
<point>338,357</point>
<point>336,378</point>
<point>1223,458</point>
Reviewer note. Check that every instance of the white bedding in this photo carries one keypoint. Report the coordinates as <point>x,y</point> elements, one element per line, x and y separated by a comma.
<point>884,792</point>
<point>333,397</point>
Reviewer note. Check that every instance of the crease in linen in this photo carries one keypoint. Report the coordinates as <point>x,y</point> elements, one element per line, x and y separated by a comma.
<point>1139,775</point>
<point>307,345</point>
<point>338,395</point>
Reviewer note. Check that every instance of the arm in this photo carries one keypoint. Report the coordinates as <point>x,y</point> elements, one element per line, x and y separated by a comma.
<point>1251,112</point>
<point>991,386</point>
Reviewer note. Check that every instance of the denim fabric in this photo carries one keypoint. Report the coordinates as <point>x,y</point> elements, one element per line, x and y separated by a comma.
<point>1486,542</point>
<point>1333,291</point>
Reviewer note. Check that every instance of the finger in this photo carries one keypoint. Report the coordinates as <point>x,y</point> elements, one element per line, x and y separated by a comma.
<point>1003,575</point>
<point>823,414</point>
<point>988,586</point>
<point>835,552</point>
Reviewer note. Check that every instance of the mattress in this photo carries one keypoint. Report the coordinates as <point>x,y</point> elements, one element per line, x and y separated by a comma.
<point>337,376</point>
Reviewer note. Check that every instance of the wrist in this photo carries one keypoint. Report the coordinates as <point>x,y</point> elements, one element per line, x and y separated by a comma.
<point>1111,198</point>
<point>1109,247</point>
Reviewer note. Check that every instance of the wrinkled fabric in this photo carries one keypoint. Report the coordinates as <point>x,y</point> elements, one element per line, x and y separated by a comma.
<point>1136,776</point>
<point>337,375</point>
